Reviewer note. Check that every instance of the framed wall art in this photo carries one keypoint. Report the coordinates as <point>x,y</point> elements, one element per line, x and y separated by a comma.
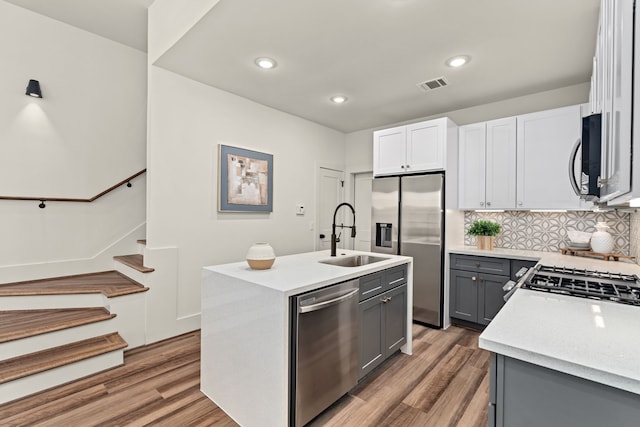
<point>245,180</point>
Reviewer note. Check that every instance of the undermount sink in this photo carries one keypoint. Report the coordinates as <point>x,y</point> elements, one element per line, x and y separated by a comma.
<point>353,260</point>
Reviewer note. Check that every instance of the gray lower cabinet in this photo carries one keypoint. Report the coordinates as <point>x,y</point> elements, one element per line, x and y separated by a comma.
<point>476,282</point>
<point>383,321</point>
<point>526,395</point>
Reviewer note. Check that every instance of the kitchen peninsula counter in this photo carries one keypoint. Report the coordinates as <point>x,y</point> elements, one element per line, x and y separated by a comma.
<point>246,329</point>
<point>586,338</point>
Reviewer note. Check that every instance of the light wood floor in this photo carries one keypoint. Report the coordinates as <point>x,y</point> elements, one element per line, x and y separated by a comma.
<point>445,383</point>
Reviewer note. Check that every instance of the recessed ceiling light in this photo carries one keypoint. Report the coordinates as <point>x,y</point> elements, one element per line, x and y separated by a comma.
<point>266,63</point>
<point>338,99</point>
<point>458,61</point>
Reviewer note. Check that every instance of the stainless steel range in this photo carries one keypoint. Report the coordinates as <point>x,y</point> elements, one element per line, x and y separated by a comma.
<point>622,288</point>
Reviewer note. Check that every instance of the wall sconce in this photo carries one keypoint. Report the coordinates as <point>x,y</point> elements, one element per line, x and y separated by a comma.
<point>33,89</point>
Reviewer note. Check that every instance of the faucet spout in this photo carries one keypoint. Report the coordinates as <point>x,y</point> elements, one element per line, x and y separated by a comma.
<point>334,239</point>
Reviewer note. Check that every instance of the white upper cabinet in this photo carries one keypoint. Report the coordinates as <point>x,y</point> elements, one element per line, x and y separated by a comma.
<point>389,150</point>
<point>487,165</point>
<point>418,147</point>
<point>501,163</point>
<point>426,146</point>
<point>616,40</point>
<point>545,145</point>
<point>472,166</point>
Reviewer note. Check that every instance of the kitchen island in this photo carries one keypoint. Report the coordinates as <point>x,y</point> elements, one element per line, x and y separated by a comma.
<point>560,359</point>
<point>246,329</point>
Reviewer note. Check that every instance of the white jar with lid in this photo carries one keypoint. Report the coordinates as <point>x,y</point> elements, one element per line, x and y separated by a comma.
<point>601,240</point>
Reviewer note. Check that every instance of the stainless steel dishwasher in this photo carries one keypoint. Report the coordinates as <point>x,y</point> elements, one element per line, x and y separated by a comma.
<point>324,350</point>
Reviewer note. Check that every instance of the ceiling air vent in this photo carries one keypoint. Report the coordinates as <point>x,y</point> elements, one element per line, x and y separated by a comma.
<point>433,84</point>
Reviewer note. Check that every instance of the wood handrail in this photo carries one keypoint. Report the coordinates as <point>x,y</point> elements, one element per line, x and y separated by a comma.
<point>65,199</point>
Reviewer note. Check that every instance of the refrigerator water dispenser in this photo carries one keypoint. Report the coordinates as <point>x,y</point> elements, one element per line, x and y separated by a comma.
<point>383,234</point>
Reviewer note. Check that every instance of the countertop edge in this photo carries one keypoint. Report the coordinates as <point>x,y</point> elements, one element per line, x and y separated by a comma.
<point>563,366</point>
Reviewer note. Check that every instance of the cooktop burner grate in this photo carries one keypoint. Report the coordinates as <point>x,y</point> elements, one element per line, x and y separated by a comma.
<point>585,283</point>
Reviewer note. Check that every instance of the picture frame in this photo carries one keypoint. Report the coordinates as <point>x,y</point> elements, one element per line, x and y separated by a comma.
<point>245,180</point>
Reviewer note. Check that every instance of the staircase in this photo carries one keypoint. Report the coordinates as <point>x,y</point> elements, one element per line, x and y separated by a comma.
<point>56,330</point>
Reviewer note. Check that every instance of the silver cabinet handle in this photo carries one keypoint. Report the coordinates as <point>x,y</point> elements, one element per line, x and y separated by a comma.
<point>408,166</point>
<point>520,203</point>
<point>488,203</point>
<point>325,304</point>
<point>402,166</point>
<point>572,167</point>
<point>473,278</point>
<point>386,299</point>
<point>481,203</point>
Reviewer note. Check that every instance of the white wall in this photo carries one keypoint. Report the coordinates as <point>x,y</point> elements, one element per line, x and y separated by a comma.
<point>187,121</point>
<point>86,134</point>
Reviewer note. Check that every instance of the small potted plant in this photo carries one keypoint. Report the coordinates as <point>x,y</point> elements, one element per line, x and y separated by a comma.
<point>485,232</point>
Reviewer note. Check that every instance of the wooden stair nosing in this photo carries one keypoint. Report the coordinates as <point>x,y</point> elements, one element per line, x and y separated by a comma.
<point>135,261</point>
<point>30,364</point>
<point>142,241</point>
<point>19,324</point>
<point>110,283</point>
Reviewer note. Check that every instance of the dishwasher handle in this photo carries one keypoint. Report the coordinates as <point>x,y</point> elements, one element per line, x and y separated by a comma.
<point>325,304</point>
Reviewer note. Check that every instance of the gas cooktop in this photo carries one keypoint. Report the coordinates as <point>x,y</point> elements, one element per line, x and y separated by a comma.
<point>622,288</point>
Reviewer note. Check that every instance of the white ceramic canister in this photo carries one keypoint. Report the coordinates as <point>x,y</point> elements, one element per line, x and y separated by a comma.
<point>261,256</point>
<point>601,240</point>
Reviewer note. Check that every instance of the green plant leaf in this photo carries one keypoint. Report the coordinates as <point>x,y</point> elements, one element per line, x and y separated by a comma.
<point>484,227</point>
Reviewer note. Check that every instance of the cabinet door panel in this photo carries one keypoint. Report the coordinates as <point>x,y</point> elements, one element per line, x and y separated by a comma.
<point>544,144</point>
<point>372,348</point>
<point>395,319</point>
<point>426,146</point>
<point>464,295</point>
<point>501,164</point>
<point>490,297</point>
<point>471,166</point>
<point>389,151</point>
<point>616,161</point>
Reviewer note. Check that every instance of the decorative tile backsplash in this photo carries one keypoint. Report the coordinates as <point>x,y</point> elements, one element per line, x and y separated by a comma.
<point>547,231</point>
<point>634,236</point>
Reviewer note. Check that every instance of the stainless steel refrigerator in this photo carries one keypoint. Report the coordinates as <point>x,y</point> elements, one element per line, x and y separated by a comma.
<point>407,218</point>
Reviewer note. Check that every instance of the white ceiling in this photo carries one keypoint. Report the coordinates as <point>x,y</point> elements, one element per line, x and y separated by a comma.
<point>373,51</point>
<point>124,21</point>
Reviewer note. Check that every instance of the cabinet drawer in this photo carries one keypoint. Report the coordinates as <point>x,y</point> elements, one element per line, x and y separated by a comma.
<point>395,276</point>
<point>371,285</point>
<point>381,281</point>
<point>500,266</point>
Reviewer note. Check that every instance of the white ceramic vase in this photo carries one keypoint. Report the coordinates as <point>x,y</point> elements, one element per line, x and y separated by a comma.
<point>601,240</point>
<point>261,256</point>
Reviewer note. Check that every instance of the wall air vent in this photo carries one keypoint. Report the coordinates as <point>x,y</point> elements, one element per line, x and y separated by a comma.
<point>433,84</point>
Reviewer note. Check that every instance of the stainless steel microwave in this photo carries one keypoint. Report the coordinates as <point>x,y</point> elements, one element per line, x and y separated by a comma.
<point>588,188</point>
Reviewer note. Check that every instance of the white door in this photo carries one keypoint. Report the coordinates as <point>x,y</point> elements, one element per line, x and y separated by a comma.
<point>471,166</point>
<point>330,195</point>
<point>362,203</point>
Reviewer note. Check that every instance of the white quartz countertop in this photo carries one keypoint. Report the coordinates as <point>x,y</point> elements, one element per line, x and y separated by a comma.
<point>595,340</point>
<point>294,274</point>
<point>587,338</point>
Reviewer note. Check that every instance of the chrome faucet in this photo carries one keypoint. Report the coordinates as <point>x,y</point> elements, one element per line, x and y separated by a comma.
<point>335,239</point>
